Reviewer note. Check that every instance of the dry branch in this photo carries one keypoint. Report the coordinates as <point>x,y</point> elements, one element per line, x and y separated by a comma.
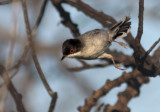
<point>34,56</point>
<point>66,20</point>
<point>92,100</point>
<point>16,96</point>
<point>27,46</point>
<point>140,26</point>
<point>132,90</point>
<point>102,18</point>
<point>39,19</point>
<point>152,47</point>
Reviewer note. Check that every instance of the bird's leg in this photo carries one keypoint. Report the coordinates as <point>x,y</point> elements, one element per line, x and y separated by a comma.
<point>120,43</point>
<point>109,56</point>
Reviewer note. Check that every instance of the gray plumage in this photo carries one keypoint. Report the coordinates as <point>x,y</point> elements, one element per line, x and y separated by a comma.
<point>93,44</point>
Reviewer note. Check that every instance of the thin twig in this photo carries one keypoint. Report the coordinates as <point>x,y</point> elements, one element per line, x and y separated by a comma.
<point>16,96</point>
<point>13,34</point>
<point>27,46</point>
<point>34,56</point>
<point>39,19</point>
<point>156,54</point>
<point>105,19</point>
<point>66,20</point>
<point>21,59</point>
<point>152,47</point>
<point>28,30</point>
<point>140,26</point>
<point>53,103</point>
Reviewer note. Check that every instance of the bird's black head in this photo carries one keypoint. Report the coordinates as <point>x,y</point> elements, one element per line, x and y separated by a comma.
<point>71,46</point>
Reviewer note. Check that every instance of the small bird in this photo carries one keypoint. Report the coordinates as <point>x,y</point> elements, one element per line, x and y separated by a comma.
<point>93,44</point>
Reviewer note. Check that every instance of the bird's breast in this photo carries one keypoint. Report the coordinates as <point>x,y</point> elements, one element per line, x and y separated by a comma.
<point>94,47</point>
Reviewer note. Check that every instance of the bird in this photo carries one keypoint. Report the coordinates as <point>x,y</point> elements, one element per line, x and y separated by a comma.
<point>93,44</point>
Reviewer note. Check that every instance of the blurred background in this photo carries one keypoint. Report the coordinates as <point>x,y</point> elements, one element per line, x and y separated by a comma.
<point>72,87</point>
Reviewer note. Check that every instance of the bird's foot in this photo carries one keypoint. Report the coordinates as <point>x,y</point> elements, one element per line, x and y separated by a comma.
<point>119,67</point>
<point>123,44</point>
<point>120,43</point>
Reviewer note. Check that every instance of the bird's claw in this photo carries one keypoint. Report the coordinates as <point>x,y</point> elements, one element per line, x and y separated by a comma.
<point>120,43</point>
<point>119,67</point>
<point>123,44</point>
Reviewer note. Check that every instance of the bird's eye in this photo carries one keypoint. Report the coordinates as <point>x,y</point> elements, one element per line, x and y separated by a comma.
<point>71,51</point>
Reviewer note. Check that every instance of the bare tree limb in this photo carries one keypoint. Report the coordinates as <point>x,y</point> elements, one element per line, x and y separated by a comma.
<point>138,53</point>
<point>66,20</point>
<point>21,59</point>
<point>92,100</point>
<point>140,26</point>
<point>13,35</point>
<point>34,56</point>
<point>132,90</point>
<point>53,103</point>
<point>16,96</point>
<point>157,54</point>
<point>27,46</point>
<point>39,19</point>
<point>152,47</point>
<point>104,19</point>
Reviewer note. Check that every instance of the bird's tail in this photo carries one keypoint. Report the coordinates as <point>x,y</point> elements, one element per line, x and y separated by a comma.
<point>120,29</point>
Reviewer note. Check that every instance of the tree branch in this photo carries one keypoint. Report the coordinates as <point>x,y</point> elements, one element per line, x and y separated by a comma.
<point>92,100</point>
<point>104,19</point>
<point>53,103</point>
<point>140,26</point>
<point>39,19</point>
<point>66,20</point>
<point>27,46</point>
<point>152,47</point>
<point>157,54</point>
<point>21,59</point>
<point>34,56</point>
<point>16,96</point>
<point>132,90</point>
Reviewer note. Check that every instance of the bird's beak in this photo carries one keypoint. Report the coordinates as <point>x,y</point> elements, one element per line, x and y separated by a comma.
<point>63,57</point>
